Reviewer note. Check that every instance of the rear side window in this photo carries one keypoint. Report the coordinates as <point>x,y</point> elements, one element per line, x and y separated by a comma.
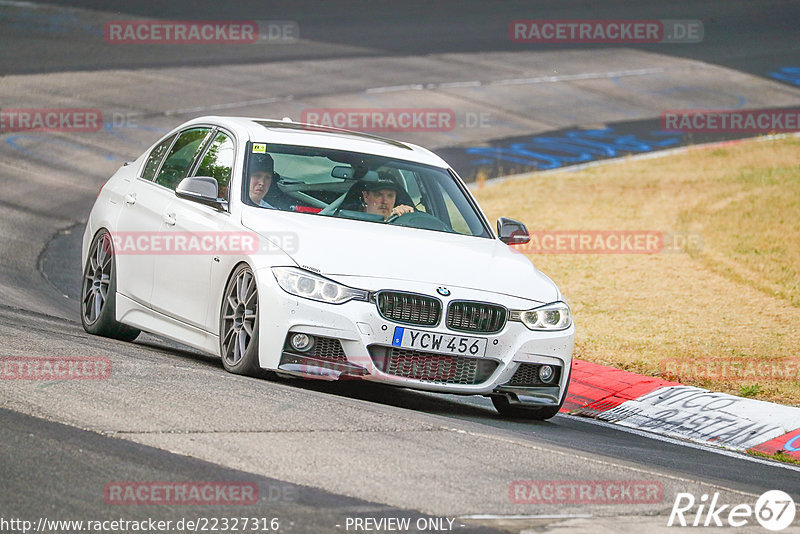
<point>155,157</point>
<point>183,153</point>
<point>218,162</point>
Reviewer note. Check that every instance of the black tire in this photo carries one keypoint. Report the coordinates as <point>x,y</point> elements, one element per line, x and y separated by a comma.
<point>515,411</point>
<point>238,324</point>
<point>99,292</point>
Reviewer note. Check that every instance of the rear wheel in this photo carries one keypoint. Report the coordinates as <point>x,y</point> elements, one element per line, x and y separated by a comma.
<point>238,323</point>
<point>99,292</point>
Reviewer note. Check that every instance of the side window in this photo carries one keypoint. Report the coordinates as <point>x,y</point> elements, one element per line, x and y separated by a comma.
<point>451,205</point>
<point>155,157</point>
<point>456,219</point>
<point>218,163</point>
<point>180,158</point>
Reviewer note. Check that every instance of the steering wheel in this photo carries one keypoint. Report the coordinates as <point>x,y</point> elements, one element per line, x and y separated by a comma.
<point>418,219</point>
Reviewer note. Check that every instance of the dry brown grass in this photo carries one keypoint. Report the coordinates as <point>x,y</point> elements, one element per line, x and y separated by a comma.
<point>681,315</point>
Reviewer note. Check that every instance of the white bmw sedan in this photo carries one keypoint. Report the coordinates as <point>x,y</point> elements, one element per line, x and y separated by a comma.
<point>296,250</point>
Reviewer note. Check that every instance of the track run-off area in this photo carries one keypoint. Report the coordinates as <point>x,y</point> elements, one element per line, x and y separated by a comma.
<point>323,454</point>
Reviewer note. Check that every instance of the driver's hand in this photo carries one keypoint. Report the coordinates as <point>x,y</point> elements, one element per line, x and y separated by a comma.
<point>400,210</point>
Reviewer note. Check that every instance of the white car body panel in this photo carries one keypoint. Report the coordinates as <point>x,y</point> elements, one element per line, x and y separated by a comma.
<point>346,247</point>
<point>180,296</point>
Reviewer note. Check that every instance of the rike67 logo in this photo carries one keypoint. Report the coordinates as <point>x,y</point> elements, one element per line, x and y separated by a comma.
<point>774,510</point>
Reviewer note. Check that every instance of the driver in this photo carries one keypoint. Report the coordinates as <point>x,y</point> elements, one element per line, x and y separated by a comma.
<point>379,198</point>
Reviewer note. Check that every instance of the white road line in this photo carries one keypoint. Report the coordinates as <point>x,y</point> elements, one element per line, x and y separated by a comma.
<point>519,81</point>
<point>430,86</point>
<point>393,88</point>
<point>690,444</point>
<point>681,442</point>
<point>583,76</point>
<point>29,5</point>
<point>229,105</point>
<point>582,456</point>
<point>446,85</point>
<point>543,516</point>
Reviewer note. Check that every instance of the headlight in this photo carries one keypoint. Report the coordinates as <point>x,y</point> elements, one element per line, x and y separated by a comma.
<point>312,286</point>
<point>555,316</point>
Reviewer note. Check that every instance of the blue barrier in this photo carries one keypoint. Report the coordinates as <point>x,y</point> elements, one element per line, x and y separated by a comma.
<point>575,146</point>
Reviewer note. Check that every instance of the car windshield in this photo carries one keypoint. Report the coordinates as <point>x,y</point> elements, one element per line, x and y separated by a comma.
<point>363,187</point>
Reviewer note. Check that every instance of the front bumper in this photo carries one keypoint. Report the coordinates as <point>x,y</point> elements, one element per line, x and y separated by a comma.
<point>358,344</point>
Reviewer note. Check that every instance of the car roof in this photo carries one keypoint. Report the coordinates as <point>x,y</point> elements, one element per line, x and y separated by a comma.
<point>288,132</point>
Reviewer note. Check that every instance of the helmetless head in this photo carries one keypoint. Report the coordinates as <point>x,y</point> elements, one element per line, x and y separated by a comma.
<point>379,197</point>
<point>261,169</point>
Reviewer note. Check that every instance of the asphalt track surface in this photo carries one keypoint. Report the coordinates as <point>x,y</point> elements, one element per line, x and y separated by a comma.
<point>330,451</point>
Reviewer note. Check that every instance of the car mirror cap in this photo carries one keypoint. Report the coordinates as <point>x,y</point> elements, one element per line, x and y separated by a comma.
<point>201,189</point>
<point>512,232</point>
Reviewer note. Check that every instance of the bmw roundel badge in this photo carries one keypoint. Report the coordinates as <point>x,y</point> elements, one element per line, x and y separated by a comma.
<point>443,291</point>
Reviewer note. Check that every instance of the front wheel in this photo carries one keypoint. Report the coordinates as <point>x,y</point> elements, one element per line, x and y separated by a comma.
<point>238,324</point>
<point>99,292</point>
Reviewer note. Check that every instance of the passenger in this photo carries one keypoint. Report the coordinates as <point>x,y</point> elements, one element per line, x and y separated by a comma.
<point>263,189</point>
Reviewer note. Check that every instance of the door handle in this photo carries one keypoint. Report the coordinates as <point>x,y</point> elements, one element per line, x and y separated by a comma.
<point>169,218</point>
<point>130,198</point>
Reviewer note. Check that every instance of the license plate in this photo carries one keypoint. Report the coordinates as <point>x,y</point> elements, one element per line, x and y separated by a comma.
<point>407,338</point>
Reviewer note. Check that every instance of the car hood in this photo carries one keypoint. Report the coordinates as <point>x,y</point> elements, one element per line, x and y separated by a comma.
<point>340,247</point>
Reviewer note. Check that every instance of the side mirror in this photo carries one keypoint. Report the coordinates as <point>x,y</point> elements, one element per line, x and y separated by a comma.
<point>202,189</point>
<point>512,232</point>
